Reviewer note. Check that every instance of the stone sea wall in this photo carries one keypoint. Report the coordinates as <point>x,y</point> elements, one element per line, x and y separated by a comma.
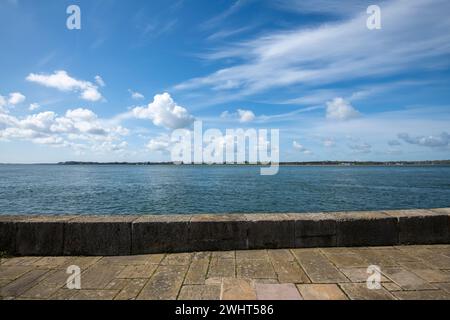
<point>128,235</point>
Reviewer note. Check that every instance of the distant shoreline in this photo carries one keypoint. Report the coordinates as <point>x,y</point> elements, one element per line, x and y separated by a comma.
<point>309,163</point>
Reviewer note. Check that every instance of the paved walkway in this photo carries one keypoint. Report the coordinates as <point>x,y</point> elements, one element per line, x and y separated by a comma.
<point>409,272</point>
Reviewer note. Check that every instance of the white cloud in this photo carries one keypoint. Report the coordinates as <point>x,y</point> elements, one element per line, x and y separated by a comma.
<point>225,114</point>
<point>333,7</point>
<point>50,140</point>
<point>78,128</point>
<point>62,81</point>
<point>242,115</point>
<point>136,95</point>
<point>164,112</point>
<point>377,129</point>
<point>91,94</point>
<point>160,144</point>
<point>16,98</point>
<point>100,81</point>
<point>222,34</point>
<point>245,115</point>
<point>297,146</point>
<point>340,109</point>
<point>235,7</point>
<point>13,99</point>
<point>439,141</point>
<point>34,106</point>
<point>2,104</point>
<point>81,114</point>
<point>108,146</point>
<point>323,54</point>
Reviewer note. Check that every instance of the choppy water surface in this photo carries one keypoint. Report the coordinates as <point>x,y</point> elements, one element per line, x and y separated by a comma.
<point>123,189</point>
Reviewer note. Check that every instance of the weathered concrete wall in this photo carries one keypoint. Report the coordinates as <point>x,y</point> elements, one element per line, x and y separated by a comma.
<point>125,235</point>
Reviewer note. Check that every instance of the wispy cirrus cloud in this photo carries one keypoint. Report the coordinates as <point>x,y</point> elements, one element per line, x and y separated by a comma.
<point>235,7</point>
<point>409,40</point>
<point>226,33</point>
<point>330,7</point>
<point>136,95</point>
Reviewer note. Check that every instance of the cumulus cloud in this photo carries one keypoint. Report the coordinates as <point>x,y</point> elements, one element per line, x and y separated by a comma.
<point>16,98</point>
<point>340,109</point>
<point>242,115</point>
<point>78,128</point>
<point>160,144</point>
<point>136,95</point>
<point>2,104</point>
<point>13,99</point>
<point>245,115</point>
<point>34,106</point>
<point>62,81</point>
<point>108,146</point>
<point>442,140</point>
<point>164,112</point>
<point>50,140</point>
<point>299,147</point>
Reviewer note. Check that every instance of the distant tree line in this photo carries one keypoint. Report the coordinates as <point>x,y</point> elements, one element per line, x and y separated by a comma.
<point>295,163</point>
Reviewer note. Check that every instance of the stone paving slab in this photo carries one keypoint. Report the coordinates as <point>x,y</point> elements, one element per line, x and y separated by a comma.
<point>95,295</point>
<point>197,271</point>
<point>408,272</point>
<point>132,289</point>
<point>359,291</point>
<point>99,276</point>
<point>285,291</point>
<point>136,272</point>
<point>422,295</point>
<point>286,267</point>
<point>317,267</point>
<point>359,274</point>
<point>221,268</point>
<point>255,269</point>
<point>321,292</point>
<point>345,258</point>
<point>22,284</point>
<point>237,289</point>
<point>406,279</point>
<point>390,286</point>
<point>165,283</point>
<point>200,292</point>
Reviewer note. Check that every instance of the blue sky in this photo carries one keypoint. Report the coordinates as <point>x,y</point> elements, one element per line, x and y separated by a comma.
<point>312,69</point>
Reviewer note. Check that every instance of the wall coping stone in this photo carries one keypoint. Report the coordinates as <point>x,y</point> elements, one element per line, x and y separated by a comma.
<point>139,234</point>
